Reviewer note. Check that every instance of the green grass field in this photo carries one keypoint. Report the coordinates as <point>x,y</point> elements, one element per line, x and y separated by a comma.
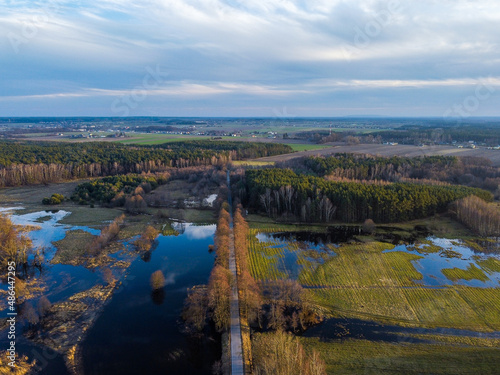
<point>306,147</point>
<point>155,139</point>
<point>361,280</point>
<point>358,356</point>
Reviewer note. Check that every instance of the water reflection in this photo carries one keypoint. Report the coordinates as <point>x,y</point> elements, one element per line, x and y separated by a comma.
<point>450,253</point>
<point>158,296</point>
<point>138,319</point>
<point>436,253</point>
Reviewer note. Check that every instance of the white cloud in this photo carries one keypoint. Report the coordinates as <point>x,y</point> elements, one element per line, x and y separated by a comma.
<point>267,48</point>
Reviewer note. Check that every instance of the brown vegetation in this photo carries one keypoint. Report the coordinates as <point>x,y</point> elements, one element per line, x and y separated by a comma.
<point>147,238</point>
<point>250,295</point>
<point>280,353</point>
<point>29,313</point>
<point>195,308</point>
<point>482,217</point>
<point>157,280</point>
<point>14,246</point>
<point>219,289</point>
<point>23,366</point>
<point>287,307</point>
<point>107,235</point>
<point>43,306</point>
<point>369,226</point>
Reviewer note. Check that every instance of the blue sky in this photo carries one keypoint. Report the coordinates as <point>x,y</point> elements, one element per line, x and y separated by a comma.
<point>250,58</point>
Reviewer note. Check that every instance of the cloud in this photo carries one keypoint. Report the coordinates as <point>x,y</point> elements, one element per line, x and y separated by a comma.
<point>194,232</point>
<point>69,53</point>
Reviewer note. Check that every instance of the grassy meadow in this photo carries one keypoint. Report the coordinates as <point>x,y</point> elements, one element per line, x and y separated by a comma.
<point>364,280</point>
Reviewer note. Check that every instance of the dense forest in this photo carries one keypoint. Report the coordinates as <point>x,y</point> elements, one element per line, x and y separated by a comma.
<point>244,150</point>
<point>469,171</point>
<point>31,163</point>
<point>412,134</point>
<point>113,190</point>
<point>282,192</point>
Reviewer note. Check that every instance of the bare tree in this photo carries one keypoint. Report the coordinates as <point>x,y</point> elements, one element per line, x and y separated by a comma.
<point>43,306</point>
<point>29,313</point>
<point>369,226</point>
<point>157,280</point>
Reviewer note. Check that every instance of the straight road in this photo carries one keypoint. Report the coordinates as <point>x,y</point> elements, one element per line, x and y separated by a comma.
<point>236,344</point>
<point>237,367</point>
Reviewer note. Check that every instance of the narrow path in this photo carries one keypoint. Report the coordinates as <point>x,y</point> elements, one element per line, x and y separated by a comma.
<point>237,367</point>
<point>236,344</point>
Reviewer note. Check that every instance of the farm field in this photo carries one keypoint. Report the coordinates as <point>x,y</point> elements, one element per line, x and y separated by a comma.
<point>307,147</point>
<point>398,150</point>
<point>384,282</point>
<point>407,356</point>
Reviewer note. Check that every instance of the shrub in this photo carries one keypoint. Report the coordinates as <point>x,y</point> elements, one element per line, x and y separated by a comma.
<point>369,226</point>
<point>54,199</point>
<point>157,280</point>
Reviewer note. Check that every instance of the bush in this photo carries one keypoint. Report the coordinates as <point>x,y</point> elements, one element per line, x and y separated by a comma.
<point>157,280</point>
<point>54,199</point>
<point>369,226</point>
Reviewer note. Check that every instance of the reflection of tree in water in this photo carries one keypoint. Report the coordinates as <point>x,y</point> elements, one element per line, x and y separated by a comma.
<point>146,256</point>
<point>179,227</point>
<point>158,296</point>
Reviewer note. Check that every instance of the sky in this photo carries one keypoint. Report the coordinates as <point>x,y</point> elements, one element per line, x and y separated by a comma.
<point>262,58</point>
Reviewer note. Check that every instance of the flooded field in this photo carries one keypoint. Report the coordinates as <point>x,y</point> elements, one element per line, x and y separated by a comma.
<point>428,281</point>
<point>131,316</point>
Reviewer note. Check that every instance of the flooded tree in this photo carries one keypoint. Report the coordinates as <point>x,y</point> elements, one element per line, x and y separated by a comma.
<point>195,308</point>
<point>147,238</point>
<point>14,246</point>
<point>107,276</point>
<point>29,313</point>
<point>158,296</point>
<point>107,235</point>
<point>43,306</point>
<point>157,280</point>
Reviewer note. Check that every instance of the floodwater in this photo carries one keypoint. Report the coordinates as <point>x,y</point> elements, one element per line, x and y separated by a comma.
<point>137,332</point>
<point>140,332</point>
<point>451,254</point>
<point>61,280</point>
<point>459,256</point>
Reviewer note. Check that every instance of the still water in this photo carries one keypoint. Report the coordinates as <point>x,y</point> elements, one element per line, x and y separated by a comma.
<point>140,332</point>
<point>137,332</point>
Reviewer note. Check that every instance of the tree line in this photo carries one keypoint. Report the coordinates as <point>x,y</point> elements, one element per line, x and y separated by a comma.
<point>469,171</point>
<point>242,150</point>
<point>212,302</point>
<point>282,192</point>
<point>273,307</point>
<point>413,134</point>
<point>23,163</point>
<point>480,216</point>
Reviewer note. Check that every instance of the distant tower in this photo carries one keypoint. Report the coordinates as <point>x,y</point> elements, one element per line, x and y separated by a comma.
<point>330,128</point>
